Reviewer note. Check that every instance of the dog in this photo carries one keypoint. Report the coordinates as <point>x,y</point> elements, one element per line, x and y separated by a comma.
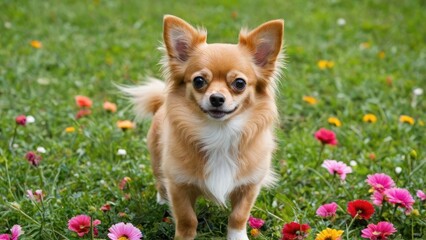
<point>213,118</point>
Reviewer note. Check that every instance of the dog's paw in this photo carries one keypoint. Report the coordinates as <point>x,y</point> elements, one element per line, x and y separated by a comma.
<point>234,234</point>
<point>160,200</point>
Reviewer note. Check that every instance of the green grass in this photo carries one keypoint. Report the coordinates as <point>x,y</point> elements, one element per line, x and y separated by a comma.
<point>90,45</point>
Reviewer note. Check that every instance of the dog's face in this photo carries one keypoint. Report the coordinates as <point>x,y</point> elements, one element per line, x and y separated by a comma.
<point>222,79</point>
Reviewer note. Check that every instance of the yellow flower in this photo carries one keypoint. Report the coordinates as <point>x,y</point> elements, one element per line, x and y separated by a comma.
<point>36,44</point>
<point>311,100</point>
<point>406,119</point>
<point>415,212</point>
<point>254,232</point>
<point>334,121</point>
<point>421,123</point>
<point>381,54</point>
<point>329,234</point>
<point>126,124</point>
<point>370,118</point>
<point>70,129</point>
<point>324,64</point>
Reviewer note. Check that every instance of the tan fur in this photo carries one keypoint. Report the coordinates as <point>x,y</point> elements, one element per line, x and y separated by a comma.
<point>176,142</point>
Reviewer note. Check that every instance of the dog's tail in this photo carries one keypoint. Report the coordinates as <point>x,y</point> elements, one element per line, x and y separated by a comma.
<point>146,98</point>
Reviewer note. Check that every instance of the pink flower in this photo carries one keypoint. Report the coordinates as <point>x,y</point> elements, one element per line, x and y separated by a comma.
<point>106,207</point>
<point>335,167</point>
<point>21,120</point>
<point>82,113</point>
<point>326,136</point>
<point>33,158</point>
<point>377,198</point>
<point>327,210</point>
<point>255,222</point>
<point>420,194</point>
<point>400,197</point>
<point>380,231</point>
<point>81,225</point>
<point>16,231</point>
<point>123,183</point>
<point>36,196</point>
<point>124,231</point>
<point>380,182</point>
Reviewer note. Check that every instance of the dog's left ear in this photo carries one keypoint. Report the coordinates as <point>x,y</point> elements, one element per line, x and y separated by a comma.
<point>265,43</point>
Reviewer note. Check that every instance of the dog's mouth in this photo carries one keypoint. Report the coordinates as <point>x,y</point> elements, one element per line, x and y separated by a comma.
<point>218,113</point>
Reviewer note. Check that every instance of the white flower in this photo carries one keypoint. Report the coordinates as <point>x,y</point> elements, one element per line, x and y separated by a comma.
<point>7,25</point>
<point>121,152</point>
<point>341,22</point>
<point>274,203</point>
<point>30,119</point>
<point>416,91</point>
<point>41,149</point>
<point>398,170</point>
<point>353,163</point>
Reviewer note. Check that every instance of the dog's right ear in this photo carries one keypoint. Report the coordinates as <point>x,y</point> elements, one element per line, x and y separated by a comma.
<point>181,38</point>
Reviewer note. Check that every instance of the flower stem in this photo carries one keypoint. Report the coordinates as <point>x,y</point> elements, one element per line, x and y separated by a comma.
<point>320,152</point>
<point>350,224</point>
<point>394,211</point>
<point>13,138</point>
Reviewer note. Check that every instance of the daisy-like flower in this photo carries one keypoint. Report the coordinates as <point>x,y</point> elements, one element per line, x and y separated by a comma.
<point>36,44</point>
<point>83,101</point>
<point>106,207</point>
<point>418,91</point>
<point>30,119</point>
<point>41,150</point>
<point>372,156</point>
<point>81,225</point>
<point>123,183</point>
<point>16,231</point>
<point>255,222</point>
<point>369,118</point>
<point>294,230</point>
<point>21,120</point>
<point>381,231</point>
<point>110,107</point>
<point>124,231</point>
<point>326,136</point>
<point>330,234</point>
<point>70,129</point>
<point>335,167</point>
<point>310,100</point>
<point>377,198</point>
<point>327,210</point>
<point>420,194</point>
<point>36,196</point>
<point>380,182</point>
<point>400,197</point>
<point>341,22</point>
<point>126,124</point>
<point>325,64</point>
<point>255,232</point>
<point>334,121</point>
<point>361,209</point>
<point>33,158</point>
<point>406,119</point>
<point>121,152</point>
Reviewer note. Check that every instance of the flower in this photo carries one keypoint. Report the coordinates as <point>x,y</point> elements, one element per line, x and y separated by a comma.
<point>361,209</point>
<point>254,232</point>
<point>124,231</point>
<point>400,197</point>
<point>83,101</point>
<point>41,149</point>
<point>369,118</point>
<point>16,231</point>
<point>326,136</point>
<point>341,22</point>
<point>310,100</point>
<point>325,64</point>
<point>21,120</point>
<point>381,54</point>
<point>295,230</point>
<point>334,121</point>
<point>329,234</point>
<point>398,170</point>
<point>420,194</point>
<point>106,207</point>
<point>327,210</point>
<point>70,129</point>
<point>36,44</point>
<point>121,152</point>
<point>380,182</point>
<point>335,167</point>
<point>82,113</point>
<point>256,222</point>
<point>353,163</point>
<point>30,119</point>
<point>33,158</point>
<point>81,225</point>
<point>377,198</point>
<point>36,196</point>
<point>372,156</point>
<point>126,124</point>
<point>123,182</point>
<point>418,91</point>
<point>406,119</point>
<point>364,45</point>
<point>110,107</point>
<point>380,231</point>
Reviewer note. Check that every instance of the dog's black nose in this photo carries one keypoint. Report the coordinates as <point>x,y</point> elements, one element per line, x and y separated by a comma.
<point>217,99</point>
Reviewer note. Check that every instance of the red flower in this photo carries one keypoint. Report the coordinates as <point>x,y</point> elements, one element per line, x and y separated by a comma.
<point>295,231</point>
<point>33,158</point>
<point>83,101</point>
<point>81,225</point>
<point>106,207</point>
<point>82,113</point>
<point>364,209</point>
<point>21,120</point>
<point>326,136</point>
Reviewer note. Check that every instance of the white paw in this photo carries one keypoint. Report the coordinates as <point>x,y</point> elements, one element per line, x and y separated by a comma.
<point>235,234</point>
<point>160,200</point>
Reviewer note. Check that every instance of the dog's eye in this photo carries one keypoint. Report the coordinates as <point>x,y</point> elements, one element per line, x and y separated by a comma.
<point>199,82</point>
<point>239,84</point>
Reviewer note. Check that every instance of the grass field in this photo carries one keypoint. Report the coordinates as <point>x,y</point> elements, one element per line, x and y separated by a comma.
<point>377,58</point>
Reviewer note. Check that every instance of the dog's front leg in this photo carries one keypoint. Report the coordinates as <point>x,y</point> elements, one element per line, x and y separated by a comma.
<point>182,200</point>
<point>242,200</point>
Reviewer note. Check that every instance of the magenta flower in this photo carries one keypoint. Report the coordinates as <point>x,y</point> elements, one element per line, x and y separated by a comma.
<point>327,210</point>
<point>400,197</point>
<point>33,158</point>
<point>326,136</point>
<point>21,120</point>
<point>377,198</point>
<point>124,231</point>
<point>255,223</point>
<point>335,167</point>
<point>380,182</point>
<point>16,231</point>
<point>380,231</point>
<point>420,194</point>
<point>36,196</point>
<point>81,225</point>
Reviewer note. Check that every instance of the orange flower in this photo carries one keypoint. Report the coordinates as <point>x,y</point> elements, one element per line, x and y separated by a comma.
<point>126,124</point>
<point>83,101</point>
<point>334,121</point>
<point>310,100</point>
<point>406,119</point>
<point>254,232</point>
<point>325,64</point>
<point>36,44</point>
<point>70,129</point>
<point>110,107</point>
<point>370,118</point>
